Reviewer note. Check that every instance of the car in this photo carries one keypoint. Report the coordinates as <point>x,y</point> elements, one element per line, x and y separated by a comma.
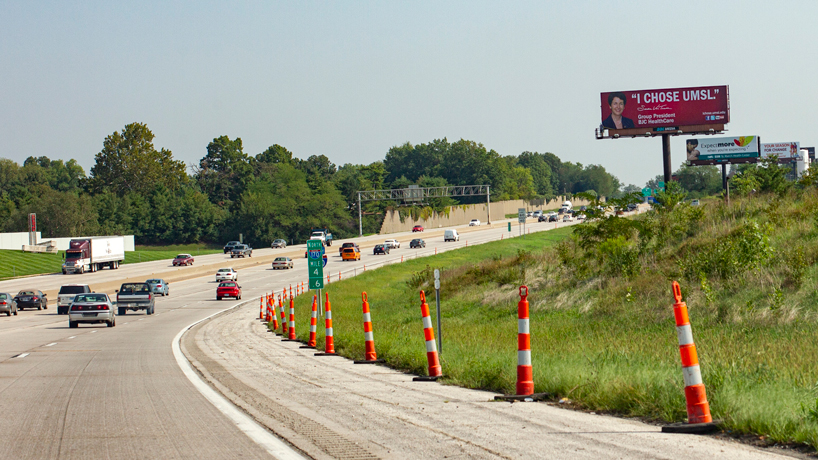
<point>694,202</point>
<point>633,207</point>
<point>352,253</point>
<point>553,218</point>
<point>537,213</point>
<point>228,289</point>
<point>528,214</point>
<point>346,245</point>
<point>282,263</point>
<point>134,297</point>
<point>91,308</point>
<point>542,218</point>
<point>230,245</point>
<point>7,304</point>
<point>450,235</point>
<point>561,211</point>
<point>474,223</point>
<point>568,218</point>
<point>227,274</point>
<point>417,228</point>
<point>580,217</point>
<point>417,243</point>
<point>241,250</point>
<point>67,294</point>
<point>183,260</point>
<point>380,249</point>
<point>392,244</point>
<point>31,298</point>
<point>279,243</point>
<point>159,286</point>
<point>583,208</point>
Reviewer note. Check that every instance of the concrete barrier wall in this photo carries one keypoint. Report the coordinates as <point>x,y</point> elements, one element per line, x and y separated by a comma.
<point>463,214</point>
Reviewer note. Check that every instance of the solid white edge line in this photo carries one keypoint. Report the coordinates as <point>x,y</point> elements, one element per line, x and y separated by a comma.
<point>269,442</point>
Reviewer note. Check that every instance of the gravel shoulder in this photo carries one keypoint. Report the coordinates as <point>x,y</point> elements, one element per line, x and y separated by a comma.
<point>328,407</point>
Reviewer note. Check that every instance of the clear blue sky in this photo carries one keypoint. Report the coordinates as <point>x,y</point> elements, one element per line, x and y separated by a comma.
<point>351,79</point>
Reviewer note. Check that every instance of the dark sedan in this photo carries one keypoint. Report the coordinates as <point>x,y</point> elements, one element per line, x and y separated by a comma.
<point>417,243</point>
<point>554,218</point>
<point>31,298</point>
<point>381,249</point>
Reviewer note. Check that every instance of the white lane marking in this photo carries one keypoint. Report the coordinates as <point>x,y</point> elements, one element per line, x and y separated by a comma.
<point>21,355</point>
<point>73,337</point>
<point>274,446</point>
<point>94,332</point>
<point>140,319</point>
<point>51,344</point>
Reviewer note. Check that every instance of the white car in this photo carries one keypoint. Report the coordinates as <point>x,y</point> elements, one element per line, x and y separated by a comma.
<point>536,214</point>
<point>567,218</point>
<point>580,217</point>
<point>474,223</point>
<point>392,244</point>
<point>227,274</point>
<point>284,263</point>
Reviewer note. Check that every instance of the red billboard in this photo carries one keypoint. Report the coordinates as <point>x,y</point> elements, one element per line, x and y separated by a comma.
<point>665,108</point>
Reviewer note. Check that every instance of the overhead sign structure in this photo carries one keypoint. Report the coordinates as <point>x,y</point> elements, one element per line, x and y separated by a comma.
<point>662,110</point>
<point>723,150</point>
<point>787,152</point>
<point>316,259</point>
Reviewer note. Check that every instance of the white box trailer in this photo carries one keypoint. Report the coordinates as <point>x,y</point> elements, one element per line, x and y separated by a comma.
<point>94,253</point>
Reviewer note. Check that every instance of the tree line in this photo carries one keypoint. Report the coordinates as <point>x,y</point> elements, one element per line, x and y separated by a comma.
<point>135,188</point>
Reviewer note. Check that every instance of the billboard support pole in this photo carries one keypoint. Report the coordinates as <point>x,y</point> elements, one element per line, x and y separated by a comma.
<point>666,156</point>
<point>724,176</point>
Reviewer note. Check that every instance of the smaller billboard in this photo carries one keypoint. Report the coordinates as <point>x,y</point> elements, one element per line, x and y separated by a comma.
<point>709,151</point>
<point>785,151</point>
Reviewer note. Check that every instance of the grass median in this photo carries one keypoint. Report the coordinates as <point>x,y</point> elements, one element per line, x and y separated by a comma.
<point>610,348</point>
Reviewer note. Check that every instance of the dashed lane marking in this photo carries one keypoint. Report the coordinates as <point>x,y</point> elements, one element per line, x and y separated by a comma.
<point>51,344</point>
<point>21,355</point>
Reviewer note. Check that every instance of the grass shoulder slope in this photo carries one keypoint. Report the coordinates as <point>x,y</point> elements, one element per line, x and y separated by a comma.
<point>602,332</point>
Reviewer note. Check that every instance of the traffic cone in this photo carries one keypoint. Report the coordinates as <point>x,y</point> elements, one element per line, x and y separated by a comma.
<point>273,311</point>
<point>261,308</point>
<point>329,345</point>
<point>431,345</point>
<point>313,322</point>
<point>292,319</point>
<point>525,374</point>
<point>699,419</point>
<point>267,317</point>
<point>370,356</point>
<point>284,327</point>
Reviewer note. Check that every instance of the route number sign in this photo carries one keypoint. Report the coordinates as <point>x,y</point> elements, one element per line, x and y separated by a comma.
<point>316,259</point>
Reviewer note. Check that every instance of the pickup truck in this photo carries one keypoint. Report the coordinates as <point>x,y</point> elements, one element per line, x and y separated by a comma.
<point>323,235</point>
<point>135,296</point>
<point>241,250</point>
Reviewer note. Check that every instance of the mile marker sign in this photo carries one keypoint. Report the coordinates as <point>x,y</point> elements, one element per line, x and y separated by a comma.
<point>315,263</point>
<point>521,214</point>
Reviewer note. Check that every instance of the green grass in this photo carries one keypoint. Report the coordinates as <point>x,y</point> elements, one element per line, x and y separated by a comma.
<point>605,343</point>
<point>17,263</point>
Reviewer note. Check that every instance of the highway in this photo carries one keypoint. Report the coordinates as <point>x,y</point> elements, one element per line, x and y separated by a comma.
<point>98,392</point>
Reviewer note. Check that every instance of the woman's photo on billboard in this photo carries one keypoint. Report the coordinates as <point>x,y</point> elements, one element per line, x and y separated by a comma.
<point>616,102</point>
<point>692,151</point>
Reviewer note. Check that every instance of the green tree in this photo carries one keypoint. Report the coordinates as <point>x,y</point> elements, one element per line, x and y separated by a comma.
<point>128,162</point>
<point>225,171</point>
<point>699,180</point>
<point>540,172</point>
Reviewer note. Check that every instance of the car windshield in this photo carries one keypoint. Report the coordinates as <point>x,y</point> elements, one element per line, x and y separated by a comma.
<point>378,246</point>
<point>349,250</point>
<point>224,270</point>
<point>91,298</point>
<point>227,285</point>
<point>281,259</point>
<point>154,281</point>
<point>416,241</point>
<point>134,288</point>
<point>72,290</point>
<point>3,296</point>
<point>279,241</point>
<point>182,256</point>
<point>26,293</point>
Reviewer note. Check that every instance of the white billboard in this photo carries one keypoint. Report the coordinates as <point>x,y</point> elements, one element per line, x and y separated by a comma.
<point>784,150</point>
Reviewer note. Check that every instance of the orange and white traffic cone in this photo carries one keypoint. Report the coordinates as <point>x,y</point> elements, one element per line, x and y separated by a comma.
<point>284,328</point>
<point>370,357</point>
<point>699,419</point>
<point>267,316</point>
<point>273,311</point>
<point>329,344</point>
<point>313,322</point>
<point>431,344</point>
<point>525,374</point>
<point>291,335</point>
<point>261,308</point>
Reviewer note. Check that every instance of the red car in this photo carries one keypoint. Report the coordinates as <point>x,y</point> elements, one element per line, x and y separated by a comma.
<point>228,289</point>
<point>183,259</point>
<point>417,228</point>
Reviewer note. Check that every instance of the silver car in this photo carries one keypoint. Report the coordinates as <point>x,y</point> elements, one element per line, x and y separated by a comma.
<point>91,308</point>
<point>7,304</point>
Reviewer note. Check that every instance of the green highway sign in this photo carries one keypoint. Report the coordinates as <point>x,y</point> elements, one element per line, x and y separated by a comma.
<point>647,192</point>
<point>315,264</point>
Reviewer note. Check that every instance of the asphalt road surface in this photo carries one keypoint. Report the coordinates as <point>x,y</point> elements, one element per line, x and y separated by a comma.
<point>98,392</point>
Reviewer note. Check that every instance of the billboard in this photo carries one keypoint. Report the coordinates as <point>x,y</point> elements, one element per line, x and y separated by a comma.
<point>665,109</point>
<point>786,151</point>
<point>709,151</point>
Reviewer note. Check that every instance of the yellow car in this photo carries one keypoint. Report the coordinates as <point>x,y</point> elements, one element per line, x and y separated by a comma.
<point>352,253</point>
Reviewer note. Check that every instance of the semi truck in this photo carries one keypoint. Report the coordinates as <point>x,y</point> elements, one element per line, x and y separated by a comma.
<point>94,253</point>
<point>323,235</point>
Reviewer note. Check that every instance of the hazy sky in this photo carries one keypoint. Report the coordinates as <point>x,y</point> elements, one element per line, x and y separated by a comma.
<point>351,79</point>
